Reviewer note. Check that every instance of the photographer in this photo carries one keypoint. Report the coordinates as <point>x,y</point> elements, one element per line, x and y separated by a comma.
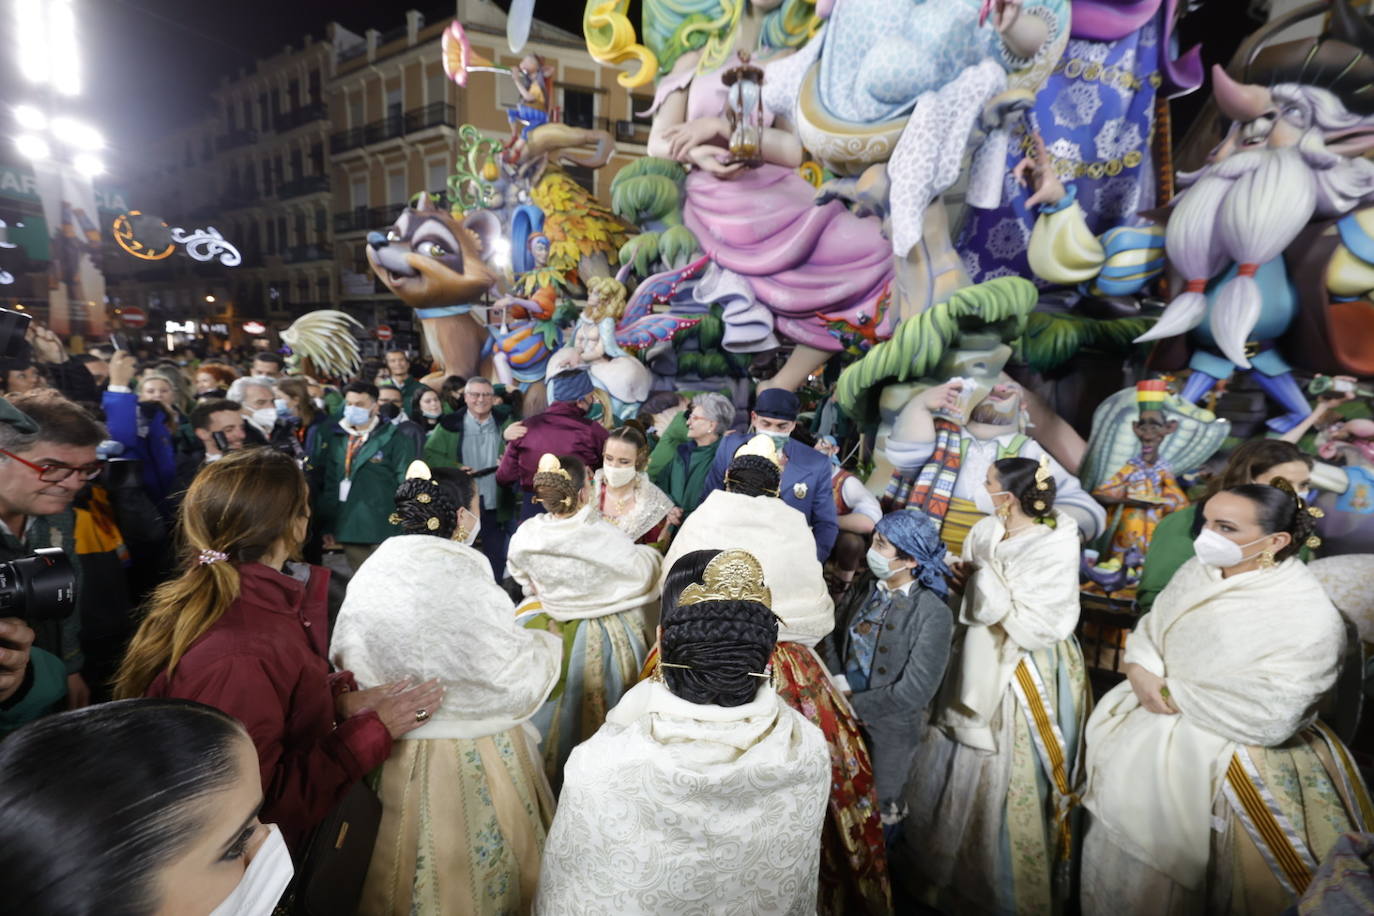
<point>47,454</point>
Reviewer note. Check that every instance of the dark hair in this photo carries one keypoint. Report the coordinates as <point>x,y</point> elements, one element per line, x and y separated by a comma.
<point>1253,458</point>
<point>397,349</point>
<point>450,490</point>
<point>87,358</point>
<point>420,392</point>
<point>361,387</point>
<point>1276,510</point>
<point>657,402</point>
<point>556,493</point>
<point>721,643</point>
<point>268,356</point>
<point>1018,479</point>
<point>201,413</point>
<point>99,800</point>
<point>60,421</point>
<point>752,475</point>
<point>450,389</point>
<point>632,434</point>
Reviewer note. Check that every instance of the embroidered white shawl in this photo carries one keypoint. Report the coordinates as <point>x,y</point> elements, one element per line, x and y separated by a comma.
<point>673,807</point>
<point>780,539</point>
<point>423,607</point>
<point>1023,596</point>
<point>582,566</point>
<point>1245,659</point>
<point>651,505</point>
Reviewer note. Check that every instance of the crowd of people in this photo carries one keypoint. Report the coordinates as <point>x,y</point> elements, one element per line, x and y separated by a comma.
<point>685,664</point>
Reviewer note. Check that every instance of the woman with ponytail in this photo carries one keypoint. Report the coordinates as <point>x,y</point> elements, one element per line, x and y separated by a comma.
<point>586,582</point>
<point>703,792</point>
<point>245,631</point>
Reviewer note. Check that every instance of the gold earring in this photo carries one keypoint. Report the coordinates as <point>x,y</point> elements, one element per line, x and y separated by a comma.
<point>1266,560</point>
<point>461,535</point>
<point>1004,511</point>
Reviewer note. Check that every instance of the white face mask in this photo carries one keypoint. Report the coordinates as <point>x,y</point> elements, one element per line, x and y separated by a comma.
<point>619,477</point>
<point>265,418</point>
<point>263,882</point>
<point>473,531</point>
<point>1215,549</point>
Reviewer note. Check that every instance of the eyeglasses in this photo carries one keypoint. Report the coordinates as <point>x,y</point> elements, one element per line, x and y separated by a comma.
<point>56,473</point>
<point>479,395</point>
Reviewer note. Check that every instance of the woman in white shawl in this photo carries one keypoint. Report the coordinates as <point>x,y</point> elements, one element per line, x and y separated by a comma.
<point>1210,785</point>
<point>587,583</point>
<point>703,793</point>
<point>623,495</point>
<point>748,515</point>
<point>994,778</point>
<point>465,804</point>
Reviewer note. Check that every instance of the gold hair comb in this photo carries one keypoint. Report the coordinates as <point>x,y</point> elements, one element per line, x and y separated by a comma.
<point>734,575</point>
<point>1042,474</point>
<point>548,464</point>
<point>762,446</point>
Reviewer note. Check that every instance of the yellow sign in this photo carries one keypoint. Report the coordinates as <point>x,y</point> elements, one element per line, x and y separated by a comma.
<point>124,237</point>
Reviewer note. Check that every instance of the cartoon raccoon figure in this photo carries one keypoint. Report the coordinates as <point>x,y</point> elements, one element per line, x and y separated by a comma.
<point>437,265</point>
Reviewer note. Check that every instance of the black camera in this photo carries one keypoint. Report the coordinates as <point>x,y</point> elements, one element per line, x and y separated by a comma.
<point>40,587</point>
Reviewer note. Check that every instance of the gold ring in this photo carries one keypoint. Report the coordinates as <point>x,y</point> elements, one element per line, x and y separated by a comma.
<point>421,715</point>
<point>1164,692</point>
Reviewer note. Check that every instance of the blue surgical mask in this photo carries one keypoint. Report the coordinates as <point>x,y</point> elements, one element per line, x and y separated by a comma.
<point>780,440</point>
<point>356,416</point>
<point>879,565</point>
<point>283,408</point>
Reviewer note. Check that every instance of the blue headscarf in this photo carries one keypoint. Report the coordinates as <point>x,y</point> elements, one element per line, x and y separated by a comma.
<point>830,440</point>
<point>918,536</point>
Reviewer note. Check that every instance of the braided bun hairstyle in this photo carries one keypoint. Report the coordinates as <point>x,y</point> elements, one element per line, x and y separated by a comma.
<point>431,506</point>
<point>1279,508</point>
<point>1018,479</point>
<point>723,644</point>
<point>632,434</point>
<point>753,475</point>
<point>560,495</point>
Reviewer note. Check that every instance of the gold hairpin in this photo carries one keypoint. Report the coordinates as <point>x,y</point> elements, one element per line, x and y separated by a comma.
<point>762,446</point>
<point>423,497</point>
<point>548,464</point>
<point>773,492</point>
<point>1313,542</point>
<point>1042,474</point>
<point>394,518</point>
<point>671,665</point>
<point>733,575</point>
<point>432,523</point>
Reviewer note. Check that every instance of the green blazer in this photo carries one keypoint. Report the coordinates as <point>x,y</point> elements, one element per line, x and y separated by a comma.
<point>378,469</point>
<point>444,449</point>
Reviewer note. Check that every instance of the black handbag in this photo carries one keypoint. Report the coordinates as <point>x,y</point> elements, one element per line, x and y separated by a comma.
<point>330,878</point>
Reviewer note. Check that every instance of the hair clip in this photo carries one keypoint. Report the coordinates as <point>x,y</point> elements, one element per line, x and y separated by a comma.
<point>432,523</point>
<point>418,469</point>
<point>1039,505</point>
<point>1042,474</point>
<point>212,556</point>
<point>394,518</point>
<point>549,464</point>
<point>1313,542</point>
<point>663,664</point>
<point>1315,512</point>
<point>423,498</point>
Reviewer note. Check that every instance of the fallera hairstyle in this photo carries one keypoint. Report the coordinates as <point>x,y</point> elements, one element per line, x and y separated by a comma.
<point>202,412</point>
<point>366,388</point>
<point>60,422</point>
<point>223,375</point>
<point>1018,479</point>
<point>299,389</point>
<point>1276,510</point>
<point>242,505</point>
<point>631,434</point>
<point>752,475</point>
<point>431,506</point>
<point>1255,457</point>
<point>561,495</point>
<point>723,644</point>
<point>99,800</point>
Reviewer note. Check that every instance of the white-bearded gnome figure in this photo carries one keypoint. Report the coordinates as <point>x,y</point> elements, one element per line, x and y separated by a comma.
<point>1270,246</point>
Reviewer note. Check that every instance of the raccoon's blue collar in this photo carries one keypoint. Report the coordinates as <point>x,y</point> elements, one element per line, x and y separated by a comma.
<point>443,311</point>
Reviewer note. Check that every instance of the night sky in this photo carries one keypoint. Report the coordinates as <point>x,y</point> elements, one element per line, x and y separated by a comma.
<point>150,64</point>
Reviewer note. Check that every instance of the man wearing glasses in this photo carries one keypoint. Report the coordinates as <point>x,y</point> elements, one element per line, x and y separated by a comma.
<point>470,437</point>
<point>47,455</point>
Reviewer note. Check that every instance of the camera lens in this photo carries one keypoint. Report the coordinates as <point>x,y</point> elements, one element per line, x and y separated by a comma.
<point>40,587</point>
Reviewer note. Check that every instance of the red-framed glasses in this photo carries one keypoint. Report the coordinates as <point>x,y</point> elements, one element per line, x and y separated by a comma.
<point>56,473</point>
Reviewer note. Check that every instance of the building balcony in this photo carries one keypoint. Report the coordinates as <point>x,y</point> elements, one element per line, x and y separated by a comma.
<point>306,114</point>
<point>300,254</point>
<point>365,219</point>
<point>237,200</point>
<point>307,184</point>
<point>435,114</point>
<point>235,139</point>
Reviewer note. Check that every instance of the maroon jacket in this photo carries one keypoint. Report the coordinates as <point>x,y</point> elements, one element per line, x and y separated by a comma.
<point>264,663</point>
<point>562,429</point>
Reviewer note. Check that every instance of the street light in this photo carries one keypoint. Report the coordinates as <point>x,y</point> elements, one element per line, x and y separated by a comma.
<point>31,146</point>
<point>209,298</point>
<point>30,118</point>
<point>88,165</point>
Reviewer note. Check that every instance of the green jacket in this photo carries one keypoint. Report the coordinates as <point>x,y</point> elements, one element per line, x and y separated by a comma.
<point>679,467</point>
<point>378,469</point>
<point>47,687</point>
<point>1170,547</point>
<point>444,449</point>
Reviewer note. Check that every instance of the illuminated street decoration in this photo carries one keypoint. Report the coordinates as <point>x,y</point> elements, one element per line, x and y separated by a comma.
<point>207,244</point>
<point>126,238</point>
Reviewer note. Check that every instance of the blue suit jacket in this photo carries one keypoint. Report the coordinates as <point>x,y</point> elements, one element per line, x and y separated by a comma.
<point>805,485</point>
